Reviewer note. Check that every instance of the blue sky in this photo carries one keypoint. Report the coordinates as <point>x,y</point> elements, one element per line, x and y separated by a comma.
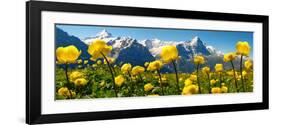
<point>224,41</point>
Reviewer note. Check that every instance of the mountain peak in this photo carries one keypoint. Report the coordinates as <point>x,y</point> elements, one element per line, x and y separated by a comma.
<point>196,41</point>
<point>103,34</point>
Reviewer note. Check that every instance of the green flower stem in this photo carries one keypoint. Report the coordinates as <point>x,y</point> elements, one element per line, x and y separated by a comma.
<point>234,75</point>
<point>112,67</point>
<point>161,84</point>
<point>91,78</point>
<point>142,84</point>
<point>220,78</point>
<point>132,89</point>
<point>197,72</point>
<point>241,70</point>
<point>209,82</point>
<point>177,78</point>
<point>112,75</point>
<point>67,80</point>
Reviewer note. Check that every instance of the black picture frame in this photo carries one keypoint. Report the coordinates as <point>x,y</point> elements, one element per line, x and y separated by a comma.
<point>33,61</point>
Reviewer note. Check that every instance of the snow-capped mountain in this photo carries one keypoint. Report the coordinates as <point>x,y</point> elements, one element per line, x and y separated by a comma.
<point>187,49</point>
<point>105,35</point>
<point>129,50</point>
<point>213,51</point>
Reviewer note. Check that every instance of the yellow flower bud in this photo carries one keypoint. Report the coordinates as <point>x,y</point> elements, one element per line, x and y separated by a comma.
<point>155,65</point>
<point>126,68</point>
<point>119,80</point>
<point>187,82</point>
<point>224,89</point>
<point>248,64</point>
<point>110,60</point>
<point>206,69</point>
<point>213,82</point>
<point>191,89</point>
<point>146,64</point>
<point>199,60</point>
<point>80,82</point>
<point>216,90</point>
<point>218,67</point>
<point>148,87</point>
<point>193,77</point>
<point>244,73</point>
<point>86,62</point>
<point>79,61</point>
<point>137,70</point>
<point>229,57</point>
<point>99,62</point>
<point>153,95</point>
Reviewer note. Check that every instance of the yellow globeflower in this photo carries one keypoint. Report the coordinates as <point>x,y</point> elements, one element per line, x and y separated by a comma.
<point>98,48</point>
<point>181,79</point>
<point>229,57</point>
<point>79,61</point>
<point>169,53</point>
<point>230,73</point>
<point>99,62</point>
<point>153,95</point>
<point>102,83</point>
<point>191,89</point>
<point>155,65</point>
<point>224,89</point>
<point>63,91</point>
<point>80,82</point>
<point>119,80</point>
<point>199,60</point>
<point>193,77</point>
<point>243,48</point>
<point>86,62</point>
<point>206,69</point>
<point>75,75</point>
<point>218,67</point>
<point>248,64</point>
<point>110,60</point>
<point>187,82</point>
<point>146,64</point>
<point>126,68</point>
<point>94,65</point>
<point>147,87</point>
<point>137,70</point>
<point>213,82</point>
<point>67,55</point>
<point>244,73</point>
<point>216,90</point>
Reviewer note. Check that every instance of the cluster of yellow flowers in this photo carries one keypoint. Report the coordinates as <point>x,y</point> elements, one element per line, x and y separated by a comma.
<point>189,86</point>
<point>98,50</point>
<point>78,78</point>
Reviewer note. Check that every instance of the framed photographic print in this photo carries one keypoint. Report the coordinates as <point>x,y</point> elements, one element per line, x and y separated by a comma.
<point>95,62</point>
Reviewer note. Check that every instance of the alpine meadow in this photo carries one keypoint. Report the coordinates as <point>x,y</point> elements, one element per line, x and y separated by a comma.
<point>113,62</point>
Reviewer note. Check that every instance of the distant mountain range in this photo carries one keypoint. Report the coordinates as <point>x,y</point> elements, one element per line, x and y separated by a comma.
<point>137,52</point>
